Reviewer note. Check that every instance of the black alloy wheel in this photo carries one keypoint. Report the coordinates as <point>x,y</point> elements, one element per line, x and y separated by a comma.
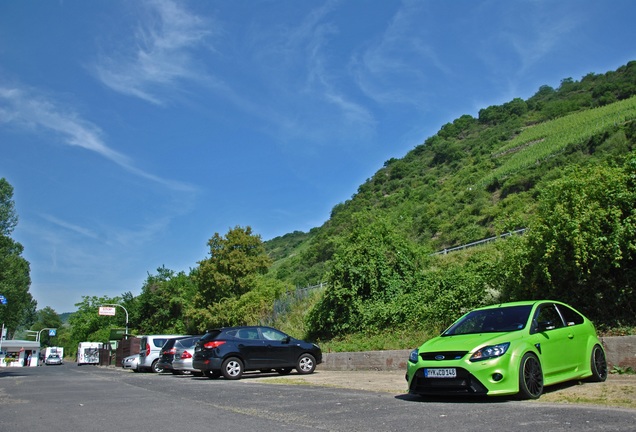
<point>598,364</point>
<point>530,377</point>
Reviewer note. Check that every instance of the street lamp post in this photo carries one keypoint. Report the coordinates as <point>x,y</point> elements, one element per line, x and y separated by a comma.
<point>37,339</point>
<point>124,311</point>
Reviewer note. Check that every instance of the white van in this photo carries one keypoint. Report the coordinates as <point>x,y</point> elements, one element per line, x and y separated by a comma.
<point>88,353</point>
<point>149,350</point>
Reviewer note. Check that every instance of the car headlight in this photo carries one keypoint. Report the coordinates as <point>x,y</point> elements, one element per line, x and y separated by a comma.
<point>413,356</point>
<point>490,351</point>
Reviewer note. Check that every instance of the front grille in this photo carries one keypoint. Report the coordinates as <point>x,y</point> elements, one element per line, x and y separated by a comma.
<point>443,355</point>
<point>465,383</point>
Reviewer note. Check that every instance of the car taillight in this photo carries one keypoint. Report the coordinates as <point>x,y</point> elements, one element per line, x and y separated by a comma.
<point>171,351</point>
<point>213,344</point>
<point>186,355</point>
<point>147,350</point>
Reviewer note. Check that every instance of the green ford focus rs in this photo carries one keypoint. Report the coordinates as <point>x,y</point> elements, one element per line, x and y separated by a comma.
<point>506,349</point>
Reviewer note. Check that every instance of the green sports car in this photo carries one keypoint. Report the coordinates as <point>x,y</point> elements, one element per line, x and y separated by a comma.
<point>510,348</point>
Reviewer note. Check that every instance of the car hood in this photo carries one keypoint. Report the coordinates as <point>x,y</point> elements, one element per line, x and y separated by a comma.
<point>467,342</point>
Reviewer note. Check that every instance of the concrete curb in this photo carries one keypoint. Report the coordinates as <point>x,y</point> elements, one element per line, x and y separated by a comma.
<point>620,351</point>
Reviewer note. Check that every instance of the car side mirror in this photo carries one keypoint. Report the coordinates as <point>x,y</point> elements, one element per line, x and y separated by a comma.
<point>286,340</point>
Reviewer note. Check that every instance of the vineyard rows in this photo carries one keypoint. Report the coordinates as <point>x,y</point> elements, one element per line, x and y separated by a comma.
<point>539,142</point>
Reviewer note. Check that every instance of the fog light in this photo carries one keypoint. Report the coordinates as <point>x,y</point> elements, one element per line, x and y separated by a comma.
<point>497,377</point>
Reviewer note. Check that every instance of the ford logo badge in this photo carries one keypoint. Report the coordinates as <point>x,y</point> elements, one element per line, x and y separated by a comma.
<point>439,357</point>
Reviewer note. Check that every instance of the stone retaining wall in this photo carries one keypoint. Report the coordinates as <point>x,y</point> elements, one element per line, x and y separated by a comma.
<point>620,351</point>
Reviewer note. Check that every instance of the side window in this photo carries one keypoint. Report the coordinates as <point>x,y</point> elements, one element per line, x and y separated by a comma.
<point>548,318</point>
<point>570,316</point>
<point>251,334</point>
<point>159,342</point>
<point>271,334</point>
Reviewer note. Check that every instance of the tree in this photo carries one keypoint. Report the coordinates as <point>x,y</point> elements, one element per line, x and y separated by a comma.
<point>232,270</point>
<point>582,246</point>
<point>372,267</point>
<point>8,216</point>
<point>233,259</point>
<point>88,326</point>
<point>47,318</point>
<point>14,269</point>
<point>160,306</point>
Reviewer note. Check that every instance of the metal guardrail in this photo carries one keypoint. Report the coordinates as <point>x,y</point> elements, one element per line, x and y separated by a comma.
<point>478,242</point>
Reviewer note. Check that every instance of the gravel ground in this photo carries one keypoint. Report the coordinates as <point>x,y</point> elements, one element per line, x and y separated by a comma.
<point>617,391</point>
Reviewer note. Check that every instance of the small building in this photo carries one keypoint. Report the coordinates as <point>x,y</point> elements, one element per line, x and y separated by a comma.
<point>19,353</point>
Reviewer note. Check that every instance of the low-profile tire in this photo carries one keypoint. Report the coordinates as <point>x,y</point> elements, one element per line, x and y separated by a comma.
<point>212,374</point>
<point>232,368</point>
<point>284,371</point>
<point>155,367</point>
<point>598,364</point>
<point>306,364</point>
<point>530,377</point>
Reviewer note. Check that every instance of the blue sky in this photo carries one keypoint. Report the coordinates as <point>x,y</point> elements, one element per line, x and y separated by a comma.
<point>132,131</point>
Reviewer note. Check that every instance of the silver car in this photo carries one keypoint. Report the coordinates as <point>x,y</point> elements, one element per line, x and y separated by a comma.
<point>131,362</point>
<point>149,351</point>
<point>182,362</point>
<point>53,359</point>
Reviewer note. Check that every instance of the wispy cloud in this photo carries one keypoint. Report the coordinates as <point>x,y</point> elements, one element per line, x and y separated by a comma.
<point>162,53</point>
<point>71,227</point>
<point>402,55</point>
<point>37,113</point>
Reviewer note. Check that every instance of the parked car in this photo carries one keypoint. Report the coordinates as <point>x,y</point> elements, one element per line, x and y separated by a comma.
<point>149,349</point>
<point>231,351</point>
<point>131,362</point>
<point>182,362</point>
<point>512,348</point>
<point>53,359</point>
<point>166,355</point>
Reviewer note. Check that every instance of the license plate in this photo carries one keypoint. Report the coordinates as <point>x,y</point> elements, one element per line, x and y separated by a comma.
<point>440,373</point>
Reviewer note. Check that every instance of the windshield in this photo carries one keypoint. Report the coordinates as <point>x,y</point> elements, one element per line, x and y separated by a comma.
<point>503,319</point>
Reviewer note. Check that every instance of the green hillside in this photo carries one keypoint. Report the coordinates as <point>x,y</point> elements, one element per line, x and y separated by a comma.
<point>561,165</point>
<point>479,177</point>
<point>476,178</point>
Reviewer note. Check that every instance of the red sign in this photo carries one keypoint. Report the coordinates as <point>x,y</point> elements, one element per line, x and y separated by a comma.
<point>107,310</point>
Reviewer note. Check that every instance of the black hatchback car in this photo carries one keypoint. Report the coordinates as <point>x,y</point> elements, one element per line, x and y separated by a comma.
<point>231,351</point>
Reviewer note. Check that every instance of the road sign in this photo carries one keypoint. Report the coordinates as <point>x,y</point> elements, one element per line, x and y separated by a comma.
<point>3,299</point>
<point>52,332</point>
<point>107,310</point>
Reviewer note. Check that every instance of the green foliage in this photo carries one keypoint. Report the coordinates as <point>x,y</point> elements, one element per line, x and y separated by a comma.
<point>581,248</point>
<point>14,269</point>
<point>248,309</point>
<point>229,279</point>
<point>88,326</point>
<point>233,259</point>
<point>371,267</point>
<point>8,216</point>
<point>161,305</point>
<point>48,318</point>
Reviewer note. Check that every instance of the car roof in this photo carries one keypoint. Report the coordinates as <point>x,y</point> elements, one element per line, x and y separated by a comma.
<point>518,303</point>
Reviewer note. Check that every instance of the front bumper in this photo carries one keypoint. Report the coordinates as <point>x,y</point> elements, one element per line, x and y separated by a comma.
<point>497,376</point>
<point>464,383</point>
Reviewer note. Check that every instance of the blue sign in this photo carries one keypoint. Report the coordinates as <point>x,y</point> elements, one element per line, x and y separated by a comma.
<point>52,332</point>
<point>3,299</point>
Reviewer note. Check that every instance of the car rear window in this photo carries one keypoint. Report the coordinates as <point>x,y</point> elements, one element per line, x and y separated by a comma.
<point>211,335</point>
<point>159,342</point>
